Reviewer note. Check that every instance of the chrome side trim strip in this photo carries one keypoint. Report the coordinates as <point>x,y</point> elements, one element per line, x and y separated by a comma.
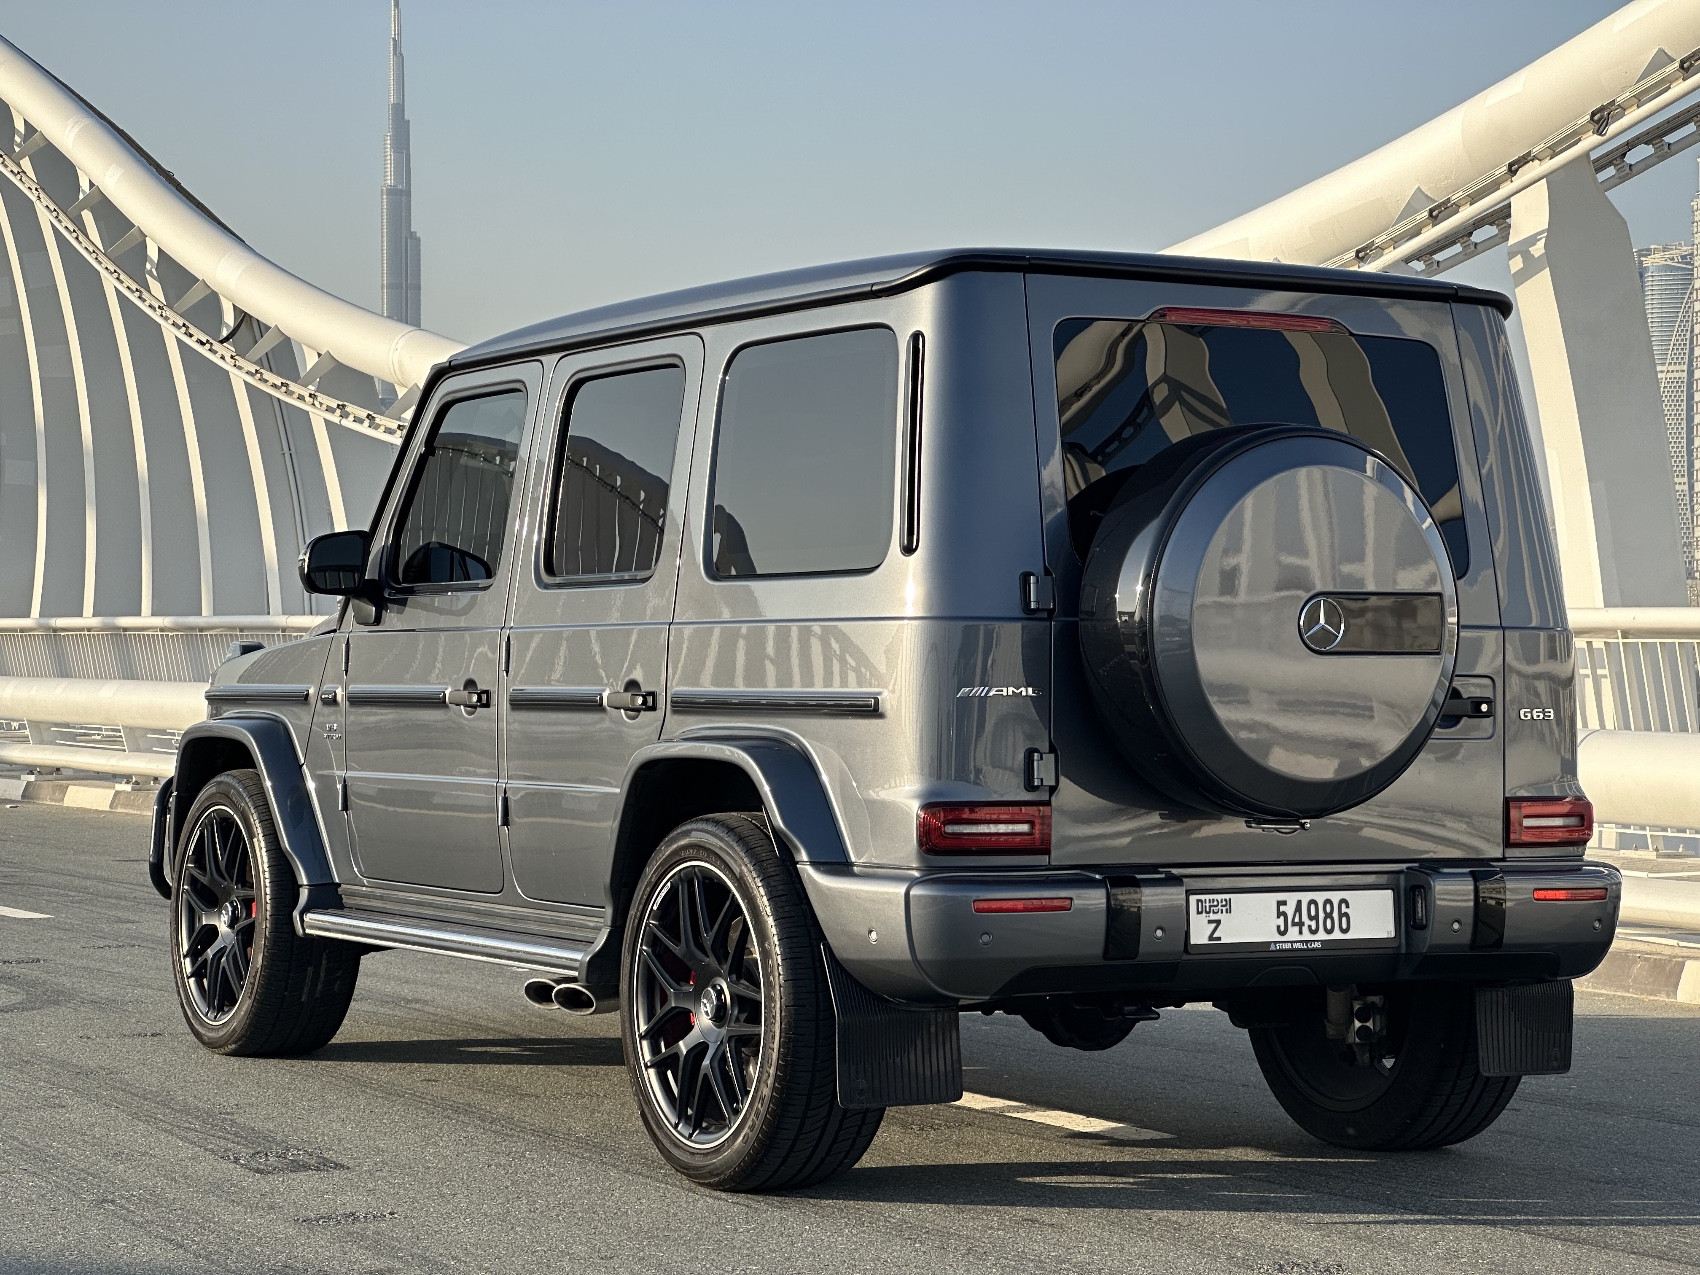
<point>424,936</point>
<point>240,692</point>
<point>555,697</point>
<point>801,701</point>
<point>398,696</point>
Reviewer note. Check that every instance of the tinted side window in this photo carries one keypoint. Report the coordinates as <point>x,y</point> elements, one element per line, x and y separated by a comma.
<point>1126,390</point>
<point>457,513</point>
<point>612,475</point>
<point>805,456</point>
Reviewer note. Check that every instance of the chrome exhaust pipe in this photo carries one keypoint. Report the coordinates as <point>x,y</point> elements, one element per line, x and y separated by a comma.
<point>576,998</point>
<point>540,992</point>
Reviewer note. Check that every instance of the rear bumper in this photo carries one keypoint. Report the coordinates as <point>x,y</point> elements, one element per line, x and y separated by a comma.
<point>916,936</point>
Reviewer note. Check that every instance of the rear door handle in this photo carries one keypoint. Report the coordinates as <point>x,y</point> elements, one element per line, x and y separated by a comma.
<point>630,701</point>
<point>471,697</point>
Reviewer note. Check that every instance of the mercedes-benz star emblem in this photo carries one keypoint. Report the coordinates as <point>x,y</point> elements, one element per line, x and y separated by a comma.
<point>1322,624</point>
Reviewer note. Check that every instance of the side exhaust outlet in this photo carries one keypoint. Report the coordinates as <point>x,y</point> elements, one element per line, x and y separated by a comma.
<point>575,998</point>
<point>540,992</point>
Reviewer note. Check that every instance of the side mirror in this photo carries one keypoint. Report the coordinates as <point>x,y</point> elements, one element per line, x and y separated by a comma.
<point>335,563</point>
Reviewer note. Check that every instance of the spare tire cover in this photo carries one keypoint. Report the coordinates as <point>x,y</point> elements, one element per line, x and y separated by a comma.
<point>1269,622</point>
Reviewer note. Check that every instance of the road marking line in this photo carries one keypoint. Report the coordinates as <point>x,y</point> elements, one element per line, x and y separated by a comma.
<point>1070,1121</point>
<point>18,914</point>
<point>985,1102</point>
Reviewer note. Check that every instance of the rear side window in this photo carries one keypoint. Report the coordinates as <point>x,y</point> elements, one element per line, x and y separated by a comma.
<point>1127,389</point>
<point>612,475</point>
<point>805,456</point>
<point>456,518</point>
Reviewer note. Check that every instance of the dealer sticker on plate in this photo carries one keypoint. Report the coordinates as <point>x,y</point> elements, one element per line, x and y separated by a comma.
<point>1289,921</point>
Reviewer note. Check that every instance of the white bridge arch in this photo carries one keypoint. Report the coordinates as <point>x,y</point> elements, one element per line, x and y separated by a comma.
<point>177,413</point>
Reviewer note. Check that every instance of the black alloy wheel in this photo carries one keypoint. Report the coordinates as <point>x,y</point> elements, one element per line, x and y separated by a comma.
<point>726,1018</point>
<point>216,902</point>
<point>247,983</point>
<point>698,1013</point>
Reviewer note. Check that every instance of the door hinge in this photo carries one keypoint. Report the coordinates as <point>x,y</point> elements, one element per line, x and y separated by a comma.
<point>1038,593</point>
<point>1041,770</point>
<point>342,794</point>
<point>502,809</point>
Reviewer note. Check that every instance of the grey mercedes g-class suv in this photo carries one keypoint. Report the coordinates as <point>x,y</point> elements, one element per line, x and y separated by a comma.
<point>793,665</point>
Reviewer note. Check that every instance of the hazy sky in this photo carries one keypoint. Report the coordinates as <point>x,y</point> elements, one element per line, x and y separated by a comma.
<point>568,154</point>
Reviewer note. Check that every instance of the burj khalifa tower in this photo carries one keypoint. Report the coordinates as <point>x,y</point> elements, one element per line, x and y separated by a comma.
<point>401,244</point>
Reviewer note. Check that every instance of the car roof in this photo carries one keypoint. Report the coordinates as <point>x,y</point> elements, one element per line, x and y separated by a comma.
<point>885,276</point>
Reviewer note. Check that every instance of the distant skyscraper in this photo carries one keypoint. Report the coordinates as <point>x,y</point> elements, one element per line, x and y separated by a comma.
<point>401,244</point>
<point>1670,289</point>
<point>1667,290</point>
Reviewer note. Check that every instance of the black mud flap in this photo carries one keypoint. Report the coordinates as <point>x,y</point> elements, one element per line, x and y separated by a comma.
<point>889,1055</point>
<point>1525,1030</point>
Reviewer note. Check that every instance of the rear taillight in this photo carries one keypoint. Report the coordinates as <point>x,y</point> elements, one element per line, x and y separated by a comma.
<point>984,829</point>
<point>1268,320</point>
<point>1549,821</point>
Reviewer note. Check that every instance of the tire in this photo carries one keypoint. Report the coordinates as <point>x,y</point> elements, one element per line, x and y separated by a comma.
<point>249,985</point>
<point>1422,1090</point>
<point>726,1018</point>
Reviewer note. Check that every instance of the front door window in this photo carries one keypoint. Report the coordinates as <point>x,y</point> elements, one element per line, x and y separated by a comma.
<point>457,512</point>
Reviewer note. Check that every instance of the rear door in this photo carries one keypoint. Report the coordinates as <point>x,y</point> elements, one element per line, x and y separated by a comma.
<point>588,644</point>
<point>1115,384</point>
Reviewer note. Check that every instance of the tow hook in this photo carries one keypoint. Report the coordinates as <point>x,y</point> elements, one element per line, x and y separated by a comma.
<point>1358,1021</point>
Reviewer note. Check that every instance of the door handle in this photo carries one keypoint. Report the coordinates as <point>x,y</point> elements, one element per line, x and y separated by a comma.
<point>1461,707</point>
<point>471,697</point>
<point>630,701</point>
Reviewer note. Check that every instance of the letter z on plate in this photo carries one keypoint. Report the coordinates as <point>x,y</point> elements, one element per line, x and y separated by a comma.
<point>1289,920</point>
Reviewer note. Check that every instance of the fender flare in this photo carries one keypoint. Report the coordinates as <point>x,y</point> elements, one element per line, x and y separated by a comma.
<point>791,786</point>
<point>269,742</point>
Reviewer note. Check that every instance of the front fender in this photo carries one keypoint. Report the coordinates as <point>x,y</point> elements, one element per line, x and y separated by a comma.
<point>206,750</point>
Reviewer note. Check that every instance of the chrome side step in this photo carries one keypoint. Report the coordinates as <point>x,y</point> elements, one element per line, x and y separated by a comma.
<point>470,942</point>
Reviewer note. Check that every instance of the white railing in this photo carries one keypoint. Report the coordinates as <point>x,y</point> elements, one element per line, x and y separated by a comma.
<point>110,695</point>
<point>1638,668</point>
<point>1638,710</point>
<point>136,648</point>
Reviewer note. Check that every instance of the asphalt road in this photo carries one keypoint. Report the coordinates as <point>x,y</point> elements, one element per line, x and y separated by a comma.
<point>451,1127</point>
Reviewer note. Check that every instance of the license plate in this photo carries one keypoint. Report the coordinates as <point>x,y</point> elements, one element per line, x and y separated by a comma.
<point>1289,920</point>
